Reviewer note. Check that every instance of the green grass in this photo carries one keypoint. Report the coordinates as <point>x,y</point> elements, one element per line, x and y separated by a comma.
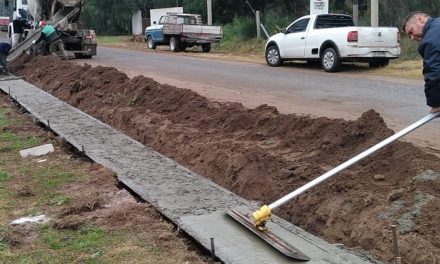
<point>89,242</point>
<point>5,204</point>
<point>109,40</point>
<point>87,245</point>
<point>58,199</point>
<point>242,47</point>
<point>3,120</point>
<point>4,176</point>
<point>402,68</point>
<point>3,194</point>
<point>48,178</point>
<point>13,142</point>
<point>3,246</point>
<point>51,178</point>
<point>33,211</point>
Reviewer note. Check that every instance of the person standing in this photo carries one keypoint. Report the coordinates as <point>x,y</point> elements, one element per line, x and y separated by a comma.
<point>52,39</point>
<point>18,26</point>
<point>425,29</point>
<point>4,51</point>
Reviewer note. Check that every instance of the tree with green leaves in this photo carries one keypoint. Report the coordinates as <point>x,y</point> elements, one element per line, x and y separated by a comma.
<point>111,17</point>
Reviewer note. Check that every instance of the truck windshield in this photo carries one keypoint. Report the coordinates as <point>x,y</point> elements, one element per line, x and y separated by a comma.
<point>332,21</point>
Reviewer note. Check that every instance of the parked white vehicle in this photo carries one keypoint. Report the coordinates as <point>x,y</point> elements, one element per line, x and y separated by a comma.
<point>332,39</point>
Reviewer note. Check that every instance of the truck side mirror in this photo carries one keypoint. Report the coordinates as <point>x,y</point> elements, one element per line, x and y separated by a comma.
<point>284,31</point>
<point>154,23</point>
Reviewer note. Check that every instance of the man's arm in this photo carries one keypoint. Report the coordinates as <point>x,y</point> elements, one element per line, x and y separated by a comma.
<point>431,71</point>
<point>27,24</point>
<point>40,38</point>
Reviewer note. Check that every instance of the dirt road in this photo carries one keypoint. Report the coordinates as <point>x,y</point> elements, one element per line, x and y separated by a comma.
<point>292,89</point>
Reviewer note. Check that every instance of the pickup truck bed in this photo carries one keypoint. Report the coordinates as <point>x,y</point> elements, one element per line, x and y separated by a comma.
<point>194,33</point>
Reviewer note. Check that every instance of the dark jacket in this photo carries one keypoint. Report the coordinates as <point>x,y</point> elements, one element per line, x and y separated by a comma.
<point>19,26</point>
<point>430,50</point>
<point>5,48</point>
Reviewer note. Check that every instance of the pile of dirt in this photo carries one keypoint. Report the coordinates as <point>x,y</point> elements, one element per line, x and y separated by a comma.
<point>20,236</point>
<point>261,154</point>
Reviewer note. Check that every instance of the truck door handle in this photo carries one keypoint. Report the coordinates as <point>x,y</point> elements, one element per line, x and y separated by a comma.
<point>303,37</point>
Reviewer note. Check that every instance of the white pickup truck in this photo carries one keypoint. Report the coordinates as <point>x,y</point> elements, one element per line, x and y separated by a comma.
<point>332,39</point>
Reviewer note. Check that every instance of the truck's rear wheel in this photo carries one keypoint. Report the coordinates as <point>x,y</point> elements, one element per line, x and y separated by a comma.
<point>273,57</point>
<point>330,61</point>
<point>174,44</point>
<point>206,47</point>
<point>150,43</point>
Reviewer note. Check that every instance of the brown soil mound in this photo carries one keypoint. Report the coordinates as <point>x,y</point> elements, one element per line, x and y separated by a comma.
<point>84,203</point>
<point>262,155</point>
<point>20,236</point>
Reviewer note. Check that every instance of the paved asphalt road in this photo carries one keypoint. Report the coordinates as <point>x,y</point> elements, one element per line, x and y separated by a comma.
<point>293,89</point>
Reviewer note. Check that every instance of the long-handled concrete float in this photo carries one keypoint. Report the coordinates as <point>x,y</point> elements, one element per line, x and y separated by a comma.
<point>257,221</point>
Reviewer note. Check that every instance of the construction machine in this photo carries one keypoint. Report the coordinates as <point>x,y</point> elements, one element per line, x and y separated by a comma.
<point>64,15</point>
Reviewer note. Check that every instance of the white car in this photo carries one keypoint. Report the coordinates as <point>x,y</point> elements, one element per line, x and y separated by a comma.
<point>332,39</point>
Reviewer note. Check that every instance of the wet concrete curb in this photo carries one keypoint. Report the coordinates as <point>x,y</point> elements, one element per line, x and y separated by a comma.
<point>193,202</point>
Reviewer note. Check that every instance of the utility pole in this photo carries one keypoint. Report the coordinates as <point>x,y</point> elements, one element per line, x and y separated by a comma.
<point>209,5</point>
<point>374,13</point>
<point>355,12</point>
<point>257,16</point>
<point>258,22</point>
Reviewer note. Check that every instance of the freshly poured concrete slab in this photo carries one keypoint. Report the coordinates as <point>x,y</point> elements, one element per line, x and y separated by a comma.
<point>190,200</point>
<point>231,237</point>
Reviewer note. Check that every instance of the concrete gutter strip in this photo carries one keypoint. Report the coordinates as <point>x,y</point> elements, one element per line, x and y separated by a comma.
<point>193,202</point>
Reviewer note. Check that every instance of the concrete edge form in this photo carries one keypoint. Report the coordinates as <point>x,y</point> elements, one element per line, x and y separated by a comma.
<point>191,201</point>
